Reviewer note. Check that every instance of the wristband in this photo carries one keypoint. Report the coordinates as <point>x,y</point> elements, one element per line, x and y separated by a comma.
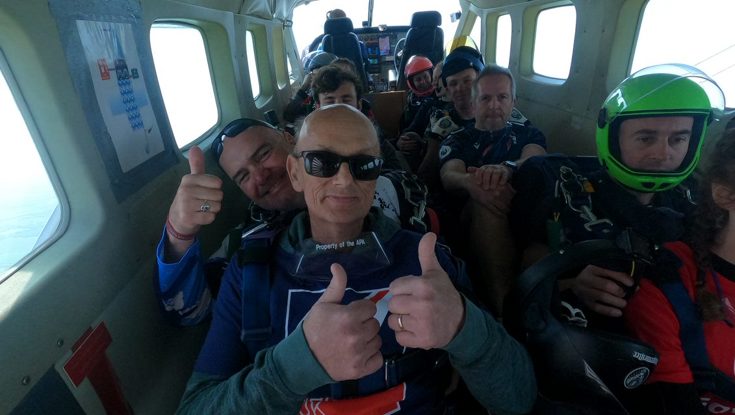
<point>512,165</point>
<point>173,232</point>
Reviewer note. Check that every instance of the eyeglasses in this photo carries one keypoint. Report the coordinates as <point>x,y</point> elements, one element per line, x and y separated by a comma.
<point>233,129</point>
<point>327,164</point>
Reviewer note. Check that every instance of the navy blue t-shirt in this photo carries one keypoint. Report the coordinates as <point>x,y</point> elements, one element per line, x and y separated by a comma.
<point>477,148</point>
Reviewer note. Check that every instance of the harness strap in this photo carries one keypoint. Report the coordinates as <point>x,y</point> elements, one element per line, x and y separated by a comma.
<point>414,194</point>
<point>254,258</point>
<point>573,191</point>
<point>691,334</point>
<point>396,370</point>
<point>404,367</point>
<point>576,190</point>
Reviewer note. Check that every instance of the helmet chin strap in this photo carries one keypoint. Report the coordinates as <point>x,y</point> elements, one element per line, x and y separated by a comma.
<point>425,93</point>
<point>418,93</point>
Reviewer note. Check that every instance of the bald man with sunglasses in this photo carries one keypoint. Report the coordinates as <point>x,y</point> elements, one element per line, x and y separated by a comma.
<point>364,317</point>
<point>253,154</point>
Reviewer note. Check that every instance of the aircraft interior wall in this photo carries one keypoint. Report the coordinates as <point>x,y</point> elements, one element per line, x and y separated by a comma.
<point>95,279</point>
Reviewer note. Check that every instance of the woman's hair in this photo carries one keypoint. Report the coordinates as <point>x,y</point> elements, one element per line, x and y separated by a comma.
<point>709,219</point>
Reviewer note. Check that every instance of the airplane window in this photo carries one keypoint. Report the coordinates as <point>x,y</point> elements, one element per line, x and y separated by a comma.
<point>552,50</point>
<point>502,41</point>
<point>707,43</point>
<point>476,33</point>
<point>183,73</point>
<point>31,215</point>
<point>252,64</point>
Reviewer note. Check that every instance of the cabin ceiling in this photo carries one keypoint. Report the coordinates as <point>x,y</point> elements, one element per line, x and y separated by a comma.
<point>265,9</point>
<point>281,9</point>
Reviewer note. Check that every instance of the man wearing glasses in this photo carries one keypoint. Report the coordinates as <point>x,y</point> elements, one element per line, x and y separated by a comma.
<point>364,317</point>
<point>253,154</point>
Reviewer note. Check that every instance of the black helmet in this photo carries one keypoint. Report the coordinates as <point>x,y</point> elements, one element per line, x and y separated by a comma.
<point>576,367</point>
<point>461,58</point>
<point>318,60</point>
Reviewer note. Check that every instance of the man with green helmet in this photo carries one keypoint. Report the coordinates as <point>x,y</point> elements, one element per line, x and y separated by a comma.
<point>650,132</point>
<point>683,96</point>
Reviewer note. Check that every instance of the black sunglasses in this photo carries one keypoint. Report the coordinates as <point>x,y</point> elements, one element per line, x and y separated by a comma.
<point>233,129</point>
<point>327,164</point>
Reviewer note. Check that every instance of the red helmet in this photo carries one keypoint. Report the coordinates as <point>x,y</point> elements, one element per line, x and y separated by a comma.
<point>416,65</point>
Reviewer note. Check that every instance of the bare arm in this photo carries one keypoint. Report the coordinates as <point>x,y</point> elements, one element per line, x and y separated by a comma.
<point>454,175</point>
<point>530,150</point>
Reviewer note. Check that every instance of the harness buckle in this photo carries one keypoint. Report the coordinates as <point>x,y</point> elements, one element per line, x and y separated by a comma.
<point>389,372</point>
<point>603,225</point>
<point>253,230</point>
<point>568,178</point>
<point>638,247</point>
<point>415,195</point>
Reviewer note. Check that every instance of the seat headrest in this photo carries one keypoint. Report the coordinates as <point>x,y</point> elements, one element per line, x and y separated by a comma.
<point>427,18</point>
<point>337,26</point>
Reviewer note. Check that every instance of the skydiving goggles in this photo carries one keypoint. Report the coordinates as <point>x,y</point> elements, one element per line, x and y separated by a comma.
<point>326,164</point>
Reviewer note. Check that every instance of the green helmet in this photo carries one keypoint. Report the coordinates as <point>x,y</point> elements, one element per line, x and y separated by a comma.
<point>657,91</point>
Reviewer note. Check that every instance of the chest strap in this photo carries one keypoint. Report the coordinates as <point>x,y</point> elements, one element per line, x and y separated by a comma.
<point>396,370</point>
<point>691,334</point>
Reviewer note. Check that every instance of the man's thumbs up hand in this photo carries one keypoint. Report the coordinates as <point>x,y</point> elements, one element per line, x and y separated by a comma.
<point>345,339</point>
<point>427,311</point>
<point>198,198</point>
<point>427,255</point>
<point>196,160</point>
<point>336,289</point>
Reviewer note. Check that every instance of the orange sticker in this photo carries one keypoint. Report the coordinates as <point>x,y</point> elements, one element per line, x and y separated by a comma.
<point>104,69</point>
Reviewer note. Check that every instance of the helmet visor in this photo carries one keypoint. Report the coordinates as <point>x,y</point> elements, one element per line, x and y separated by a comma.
<point>658,144</point>
<point>715,95</point>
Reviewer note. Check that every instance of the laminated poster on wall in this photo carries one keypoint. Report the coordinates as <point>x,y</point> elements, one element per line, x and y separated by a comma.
<point>119,85</point>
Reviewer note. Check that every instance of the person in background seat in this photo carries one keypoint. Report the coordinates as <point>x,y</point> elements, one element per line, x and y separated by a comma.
<point>477,163</point>
<point>302,102</point>
<point>418,72</point>
<point>440,118</point>
<point>413,139</point>
<point>333,85</point>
